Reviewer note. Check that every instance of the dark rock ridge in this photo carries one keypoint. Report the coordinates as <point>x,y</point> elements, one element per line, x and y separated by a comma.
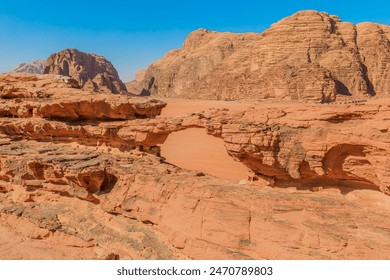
<point>93,72</point>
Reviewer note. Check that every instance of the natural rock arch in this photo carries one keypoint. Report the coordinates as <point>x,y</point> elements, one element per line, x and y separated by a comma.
<point>192,148</point>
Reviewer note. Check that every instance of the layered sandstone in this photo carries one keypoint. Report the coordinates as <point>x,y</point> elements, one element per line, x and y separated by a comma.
<point>343,145</point>
<point>78,202</point>
<point>286,141</point>
<point>81,178</point>
<point>59,97</point>
<point>93,72</point>
<point>307,56</point>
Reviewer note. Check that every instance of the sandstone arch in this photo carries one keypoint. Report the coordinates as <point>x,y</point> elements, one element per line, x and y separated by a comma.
<point>192,148</point>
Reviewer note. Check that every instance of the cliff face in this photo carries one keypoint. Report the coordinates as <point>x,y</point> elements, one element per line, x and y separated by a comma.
<point>135,86</point>
<point>307,56</point>
<point>92,72</point>
<point>81,178</point>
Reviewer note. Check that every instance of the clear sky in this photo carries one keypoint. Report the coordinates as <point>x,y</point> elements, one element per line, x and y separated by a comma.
<point>133,34</point>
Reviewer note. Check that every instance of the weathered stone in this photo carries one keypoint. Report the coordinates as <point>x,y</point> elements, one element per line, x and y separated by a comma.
<point>92,72</point>
<point>307,56</point>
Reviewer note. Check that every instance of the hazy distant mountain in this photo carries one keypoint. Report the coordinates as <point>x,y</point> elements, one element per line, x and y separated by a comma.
<point>36,67</point>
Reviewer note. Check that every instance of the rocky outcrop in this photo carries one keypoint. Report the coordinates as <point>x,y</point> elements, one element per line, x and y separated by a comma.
<point>92,72</point>
<point>301,145</point>
<point>87,182</point>
<point>79,202</point>
<point>314,145</point>
<point>135,85</point>
<point>307,56</point>
<point>44,105</point>
<point>304,144</point>
<point>36,67</point>
<point>58,97</point>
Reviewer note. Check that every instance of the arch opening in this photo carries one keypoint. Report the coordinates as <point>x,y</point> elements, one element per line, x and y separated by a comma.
<point>194,149</point>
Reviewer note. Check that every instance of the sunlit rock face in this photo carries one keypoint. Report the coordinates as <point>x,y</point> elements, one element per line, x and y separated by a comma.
<point>309,56</point>
<point>92,72</point>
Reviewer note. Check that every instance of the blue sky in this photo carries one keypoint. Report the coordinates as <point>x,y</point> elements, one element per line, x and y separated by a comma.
<point>133,34</point>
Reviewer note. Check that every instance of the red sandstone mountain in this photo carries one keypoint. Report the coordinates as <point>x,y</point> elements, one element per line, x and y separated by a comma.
<point>307,56</point>
<point>92,72</point>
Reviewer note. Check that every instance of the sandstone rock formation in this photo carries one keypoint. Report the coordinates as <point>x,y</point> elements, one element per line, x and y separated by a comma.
<point>292,141</point>
<point>92,72</point>
<point>80,178</point>
<point>307,56</point>
<point>58,97</point>
<point>135,85</point>
<point>36,67</point>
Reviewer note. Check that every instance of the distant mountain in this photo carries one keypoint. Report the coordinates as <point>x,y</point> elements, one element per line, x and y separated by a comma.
<point>36,67</point>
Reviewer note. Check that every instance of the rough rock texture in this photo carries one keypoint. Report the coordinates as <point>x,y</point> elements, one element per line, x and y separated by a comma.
<point>307,56</point>
<point>92,72</point>
<point>77,187</point>
<point>343,145</point>
<point>58,97</point>
<point>135,86</point>
<point>79,202</point>
<point>36,67</point>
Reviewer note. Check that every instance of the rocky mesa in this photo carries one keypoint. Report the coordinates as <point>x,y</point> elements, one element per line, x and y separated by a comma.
<point>308,56</point>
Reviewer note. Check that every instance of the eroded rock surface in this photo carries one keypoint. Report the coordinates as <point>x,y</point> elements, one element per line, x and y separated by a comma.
<point>90,185</point>
<point>92,72</point>
<point>342,144</point>
<point>307,56</point>
<point>59,97</point>
<point>135,86</point>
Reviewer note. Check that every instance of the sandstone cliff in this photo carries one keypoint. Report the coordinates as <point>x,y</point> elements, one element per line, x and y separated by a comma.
<point>92,72</point>
<point>135,86</point>
<point>36,67</point>
<point>307,56</point>
<point>81,178</point>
